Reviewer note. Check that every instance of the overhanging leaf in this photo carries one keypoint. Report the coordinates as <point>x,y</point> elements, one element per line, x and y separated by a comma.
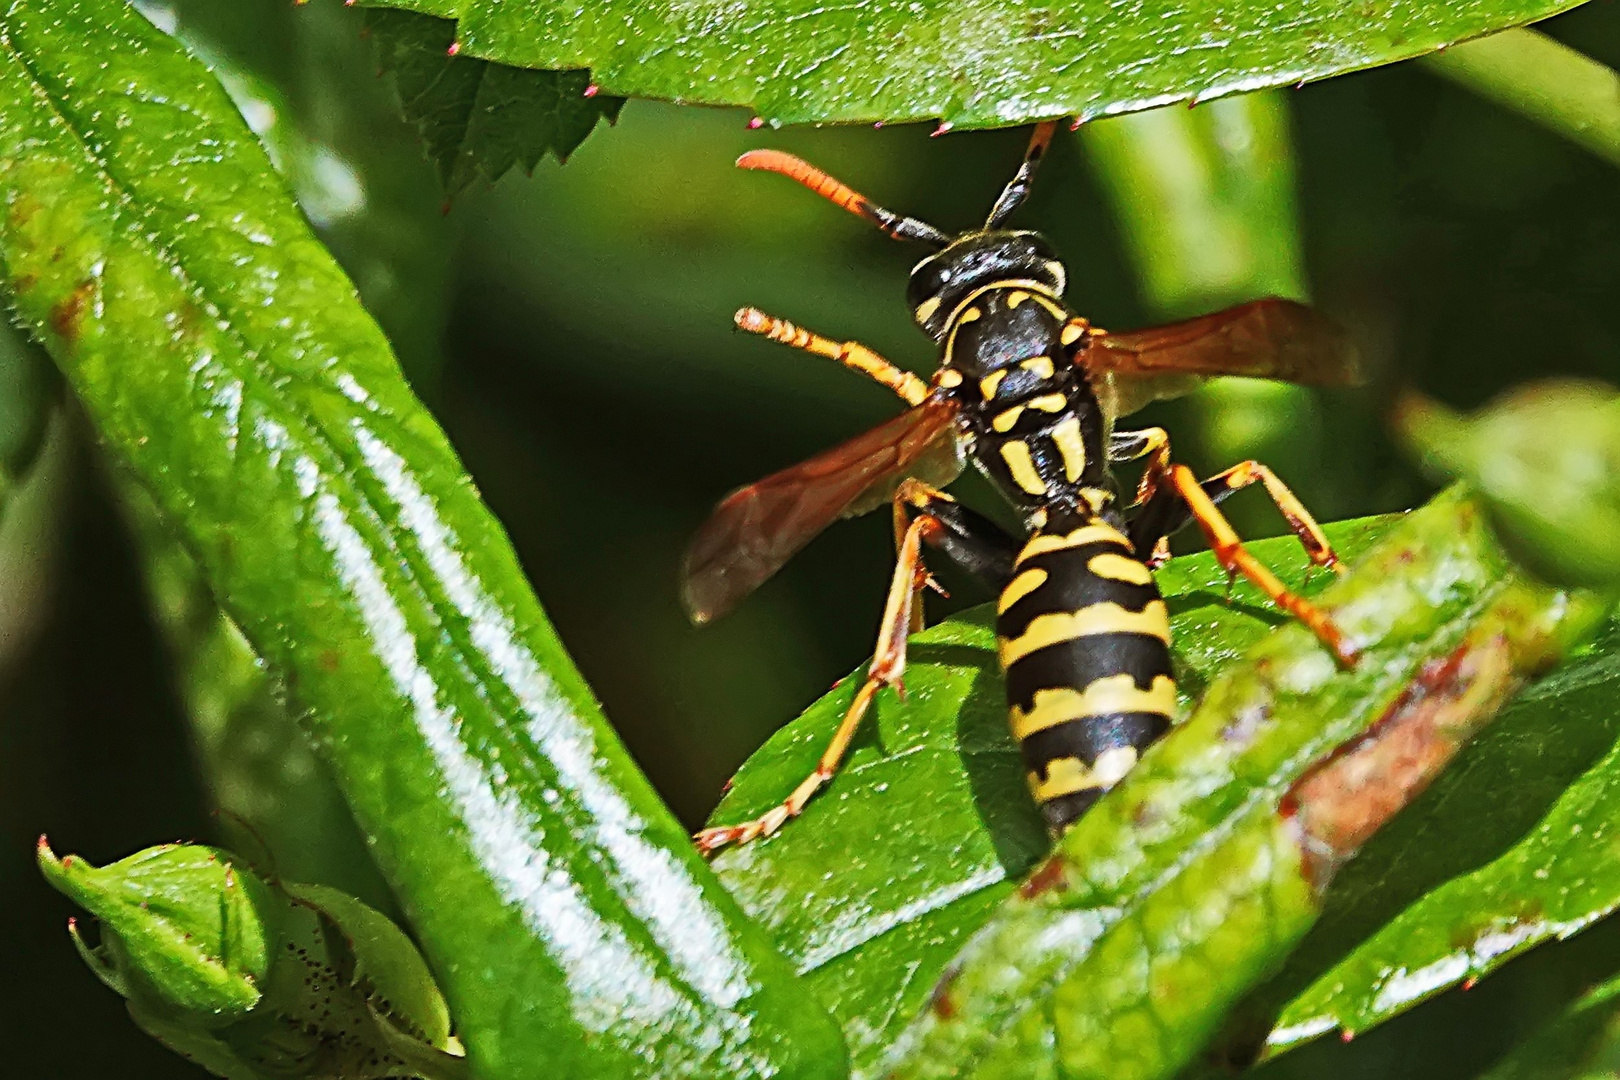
<point>478,119</point>
<point>966,62</point>
<point>227,365</point>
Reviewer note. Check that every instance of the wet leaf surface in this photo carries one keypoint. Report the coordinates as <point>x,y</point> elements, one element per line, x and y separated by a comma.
<point>966,62</point>
<point>227,366</point>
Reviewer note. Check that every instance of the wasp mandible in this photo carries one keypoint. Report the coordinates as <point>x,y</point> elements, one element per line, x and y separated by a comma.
<point>1028,391</point>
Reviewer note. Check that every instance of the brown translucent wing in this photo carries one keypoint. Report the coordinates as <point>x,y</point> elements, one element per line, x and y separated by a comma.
<point>1263,339</point>
<point>756,529</point>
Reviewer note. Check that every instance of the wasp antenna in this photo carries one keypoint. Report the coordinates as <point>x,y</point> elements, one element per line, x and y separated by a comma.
<point>1017,190</point>
<point>841,194</point>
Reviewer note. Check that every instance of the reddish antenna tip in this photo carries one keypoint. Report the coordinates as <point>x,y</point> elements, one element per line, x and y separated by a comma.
<point>942,129</point>
<point>756,123</point>
<point>751,319</point>
<point>877,123</point>
<point>592,90</point>
<point>455,47</point>
<point>1074,125</point>
<point>1346,1035</point>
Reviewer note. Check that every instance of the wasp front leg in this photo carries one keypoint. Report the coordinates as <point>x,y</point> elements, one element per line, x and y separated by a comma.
<point>968,539</point>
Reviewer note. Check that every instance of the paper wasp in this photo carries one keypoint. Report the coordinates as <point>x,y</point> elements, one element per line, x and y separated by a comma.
<point>1028,391</point>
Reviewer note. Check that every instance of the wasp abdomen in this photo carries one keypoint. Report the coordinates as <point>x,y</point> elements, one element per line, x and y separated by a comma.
<point>1085,640</point>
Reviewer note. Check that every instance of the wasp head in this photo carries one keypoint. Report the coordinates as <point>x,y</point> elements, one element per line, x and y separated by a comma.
<point>941,282</point>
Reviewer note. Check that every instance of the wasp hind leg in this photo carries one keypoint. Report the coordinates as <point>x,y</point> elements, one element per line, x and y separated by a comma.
<point>1158,518</point>
<point>968,539</point>
<point>1229,550</point>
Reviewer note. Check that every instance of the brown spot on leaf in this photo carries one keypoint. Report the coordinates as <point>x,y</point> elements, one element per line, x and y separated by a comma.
<point>330,660</point>
<point>1341,802</point>
<point>1049,878</point>
<point>67,314</point>
<point>941,1001</point>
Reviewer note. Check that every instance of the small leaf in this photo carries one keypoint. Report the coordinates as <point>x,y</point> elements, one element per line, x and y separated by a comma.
<point>478,119</point>
<point>974,63</point>
<point>255,981</point>
<point>185,932</point>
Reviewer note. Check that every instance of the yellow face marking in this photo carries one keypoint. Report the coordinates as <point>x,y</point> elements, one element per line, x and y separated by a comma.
<point>1004,420</point>
<point>989,384</point>
<point>1108,617</point>
<point>1049,403</point>
<point>1016,297</point>
<point>1064,776</point>
<point>1097,532</point>
<point>1020,587</point>
<point>1016,454</point>
<point>1119,568</point>
<point>950,378</point>
<point>1066,435</point>
<point>971,314</point>
<point>1072,333</point>
<point>1114,694</point>
<point>1040,365</point>
<point>927,308</point>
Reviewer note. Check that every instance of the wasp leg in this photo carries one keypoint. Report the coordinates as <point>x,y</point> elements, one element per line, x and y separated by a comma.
<point>852,354</point>
<point>1158,519</point>
<point>1152,443</point>
<point>887,667</point>
<point>967,538</point>
<point>1236,560</point>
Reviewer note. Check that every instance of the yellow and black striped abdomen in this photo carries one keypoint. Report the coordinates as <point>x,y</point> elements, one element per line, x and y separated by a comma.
<point>1085,641</point>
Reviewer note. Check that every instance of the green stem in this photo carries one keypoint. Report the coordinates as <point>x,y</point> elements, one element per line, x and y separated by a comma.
<point>1539,78</point>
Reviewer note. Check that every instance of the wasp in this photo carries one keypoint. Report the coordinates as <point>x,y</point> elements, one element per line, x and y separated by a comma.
<point>1028,391</point>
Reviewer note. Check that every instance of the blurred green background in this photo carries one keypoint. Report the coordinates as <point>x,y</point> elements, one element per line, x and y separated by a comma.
<point>573,332</point>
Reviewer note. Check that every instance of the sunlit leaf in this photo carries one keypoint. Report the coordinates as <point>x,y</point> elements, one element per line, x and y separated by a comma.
<point>972,63</point>
<point>227,366</point>
<point>929,824</point>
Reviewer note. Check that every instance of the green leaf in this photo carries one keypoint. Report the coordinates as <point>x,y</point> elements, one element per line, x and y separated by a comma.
<point>227,366</point>
<point>479,119</point>
<point>185,932</point>
<point>1561,878</point>
<point>973,63</point>
<point>1582,1043</point>
<point>929,823</point>
<point>1174,896</point>
<point>920,837</point>
<point>257,981</point>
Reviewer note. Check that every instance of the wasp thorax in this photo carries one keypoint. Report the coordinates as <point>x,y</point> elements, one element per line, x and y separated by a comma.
<point>940,282</point>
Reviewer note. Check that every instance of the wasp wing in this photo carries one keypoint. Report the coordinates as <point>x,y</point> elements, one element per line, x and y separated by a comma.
<point>756,529</point>
<point>1263,339</point>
